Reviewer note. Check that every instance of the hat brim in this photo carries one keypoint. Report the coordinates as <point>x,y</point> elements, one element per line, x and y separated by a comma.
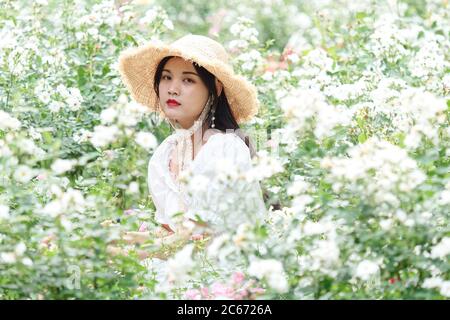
<point>137,67</point>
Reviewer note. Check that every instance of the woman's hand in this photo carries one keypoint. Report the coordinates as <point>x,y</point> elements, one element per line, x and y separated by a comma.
<point>157,243</point>
<point>142,254</point>
<point>136,237</point>
<point>140,237</point>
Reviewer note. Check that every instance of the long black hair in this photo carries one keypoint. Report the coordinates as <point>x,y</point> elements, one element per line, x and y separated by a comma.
<point>224,119</point>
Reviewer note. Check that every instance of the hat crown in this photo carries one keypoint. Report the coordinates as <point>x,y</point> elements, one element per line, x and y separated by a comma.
<point>138,67</point>
<point>203,46</point>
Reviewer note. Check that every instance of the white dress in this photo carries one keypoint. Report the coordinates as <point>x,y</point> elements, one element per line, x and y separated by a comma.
<point>217,200</point>
<point>218,193</point>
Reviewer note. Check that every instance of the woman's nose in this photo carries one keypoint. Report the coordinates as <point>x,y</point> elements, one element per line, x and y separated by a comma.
<point>174,89</point>
<point>172,92</point>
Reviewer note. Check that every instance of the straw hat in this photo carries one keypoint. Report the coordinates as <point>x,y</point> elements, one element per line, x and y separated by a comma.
<point>137,67</point>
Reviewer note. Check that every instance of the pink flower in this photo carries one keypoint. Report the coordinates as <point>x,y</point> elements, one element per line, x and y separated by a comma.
<point>219,289</point>
<point>143,227</point>
<point>109,154</point>
<point>41,176</point>
<point>129,212</point>
<point>238,277</point>
<point>197,237</point>
<point>192,294</point>
<point>205,292</point>
<point>240,295</point>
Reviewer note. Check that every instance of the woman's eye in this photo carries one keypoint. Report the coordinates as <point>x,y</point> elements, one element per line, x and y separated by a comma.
<point>166,77</point>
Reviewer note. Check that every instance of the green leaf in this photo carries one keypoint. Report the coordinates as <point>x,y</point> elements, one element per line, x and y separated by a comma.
<point>361,15</point>
<point>81,76</point>
<point>362,137</point>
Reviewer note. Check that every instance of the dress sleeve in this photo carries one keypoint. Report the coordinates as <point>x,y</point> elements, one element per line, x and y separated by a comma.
<point>219,191</point>
<point>164,195</point>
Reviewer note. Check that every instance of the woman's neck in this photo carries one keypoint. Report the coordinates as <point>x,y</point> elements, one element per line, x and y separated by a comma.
<point>197,139</point>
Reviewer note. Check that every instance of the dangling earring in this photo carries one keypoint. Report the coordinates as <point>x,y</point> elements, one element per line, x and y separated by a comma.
<point>213,111</point>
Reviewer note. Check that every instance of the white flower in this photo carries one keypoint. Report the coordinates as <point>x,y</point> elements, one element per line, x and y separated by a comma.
<point>366,269</point>
<point>168,24</point>
<point>23,174</point>
<point>82,136</point>
<point>71,96</point>
<point>146,140</point>
<point>278,282</point>
<point>244,30</point>
<point>437,283</point>
<point>444,197</point>
<point>28,146</point>
<point>347,91</point>
<point>60,166</point>
<point>108,115</point>
<point>385,168</point>
<point>130,113</point>
<point>198,183</point>
<point>387,40</point>
<point>325,253</point>
<point>34,133</point>
<point>429,60</point>
<point>53,208</point>
<point>298,186</point>
<point>249,59</point>
<point>55,106</point>
<point>266,166</point>
<point>80,35</point>
<point>262,268</point>
<point>8,122</point>
<point>5,151</point>
<point>103,135</point>
<point>150,16</point>
<point>74,99</point>
<point>293,57</point>
<point>445,289</point>
<point>181,264</point>
<point>27,262</point>
<point>272,270</point>
<point>133,187</point>
<point>300,106</point>
<point>214,248</point>
<point>66,223</point>
<point>236,45</point>
<point>318,60</point>
<point>8,257</point>
<point>103,12</point>
<point>4,212</point>
<point>386,224</point>
<point>55,190</point>
<point>300,202</point>
<point>92,31</point>
<point>442,249</point>
<point>412,111</point>
<point>73,199</point>
<point>20,249</point>
<point>312,228</point>
<point>431,283</point>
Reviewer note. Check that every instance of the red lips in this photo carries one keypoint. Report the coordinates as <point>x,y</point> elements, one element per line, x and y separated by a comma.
<point>172,103</point>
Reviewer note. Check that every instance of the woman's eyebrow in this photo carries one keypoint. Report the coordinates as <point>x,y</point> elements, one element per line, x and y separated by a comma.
<point>184,72</point>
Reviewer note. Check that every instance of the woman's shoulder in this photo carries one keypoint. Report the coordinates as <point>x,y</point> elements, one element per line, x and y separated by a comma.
<point>225,145</point>
<point>160,151</point>
<point>217,138</point>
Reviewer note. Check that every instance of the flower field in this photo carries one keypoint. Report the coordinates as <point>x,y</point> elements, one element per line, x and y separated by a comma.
<point>352,140</point>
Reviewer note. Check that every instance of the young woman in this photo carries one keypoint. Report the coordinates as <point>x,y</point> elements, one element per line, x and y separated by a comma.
<point>191,84</point>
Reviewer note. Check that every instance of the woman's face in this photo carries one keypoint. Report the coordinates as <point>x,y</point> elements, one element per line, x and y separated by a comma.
<point>180,82</point>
